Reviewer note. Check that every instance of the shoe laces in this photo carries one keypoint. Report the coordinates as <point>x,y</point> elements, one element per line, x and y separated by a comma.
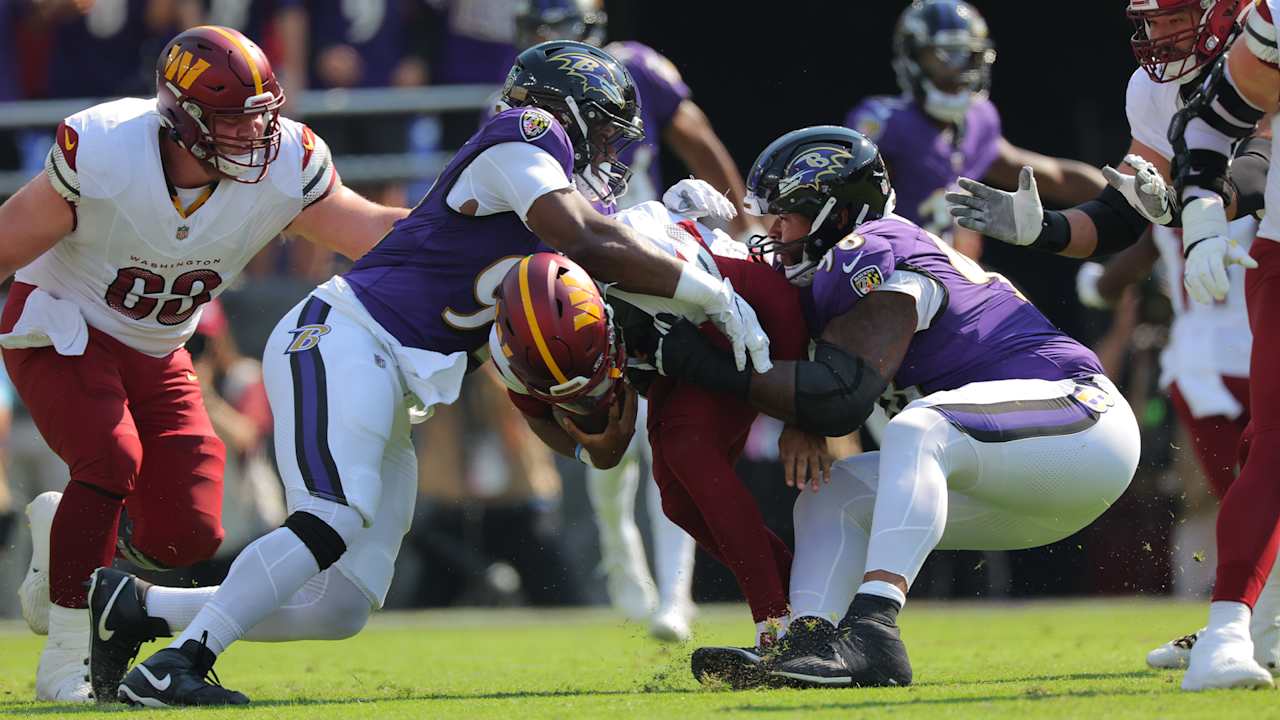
<point>210,675</point>
<point>1186,642</point>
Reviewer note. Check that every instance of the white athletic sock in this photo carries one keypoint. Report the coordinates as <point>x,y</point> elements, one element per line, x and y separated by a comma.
<point>177,606</point>
<point>673,552</point>
<point>1229,620</point>
<point>885,590</point>
<point>263,576</point>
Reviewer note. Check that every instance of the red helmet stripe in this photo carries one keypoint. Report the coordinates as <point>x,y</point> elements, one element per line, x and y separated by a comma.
<point>248,57</point>
<point>527,301</point>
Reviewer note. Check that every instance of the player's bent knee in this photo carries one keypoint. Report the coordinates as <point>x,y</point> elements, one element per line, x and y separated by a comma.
<point>918,428</point>
<point>324,542</point>
<point>111,464</point>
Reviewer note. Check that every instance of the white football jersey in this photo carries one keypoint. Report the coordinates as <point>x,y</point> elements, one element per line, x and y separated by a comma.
<point>1204,338</point>
<point>1261,33</point>
<point>139,268</point>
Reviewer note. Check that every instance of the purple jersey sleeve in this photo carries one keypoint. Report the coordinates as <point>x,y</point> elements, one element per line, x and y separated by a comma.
<point>856,266</point>
<point>987,132</point>
<point>532,126</point>
<point>658,82</point>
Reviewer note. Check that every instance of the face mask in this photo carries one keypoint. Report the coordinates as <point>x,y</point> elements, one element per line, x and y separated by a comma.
<point>947,107</point>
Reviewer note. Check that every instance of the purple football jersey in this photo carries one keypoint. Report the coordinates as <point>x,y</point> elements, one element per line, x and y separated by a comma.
<point>984,330</point>
<point>661,90</point>
<point>925,158</point>
<point>430,281</point>
<point>110,50</point>
<point>376,29</point>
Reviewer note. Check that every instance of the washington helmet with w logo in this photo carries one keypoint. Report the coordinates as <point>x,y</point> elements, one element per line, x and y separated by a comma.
<point>219,99</point>
<point>593,96</point>
<point>556,336</point>
<point>832,175</point>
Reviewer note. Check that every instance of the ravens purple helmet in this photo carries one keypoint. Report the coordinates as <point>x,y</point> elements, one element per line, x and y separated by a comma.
<point>833,176</point>
<point>942,56</point>
<point>592,96</point>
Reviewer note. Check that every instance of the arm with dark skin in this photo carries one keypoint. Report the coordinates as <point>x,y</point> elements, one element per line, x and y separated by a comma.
<point>1127,268</point>
<point>608,250</point>
<point>878,330</point>
<point>606,447</point>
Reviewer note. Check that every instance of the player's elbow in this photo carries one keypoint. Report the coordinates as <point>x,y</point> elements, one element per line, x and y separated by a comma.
<point>835,392</point>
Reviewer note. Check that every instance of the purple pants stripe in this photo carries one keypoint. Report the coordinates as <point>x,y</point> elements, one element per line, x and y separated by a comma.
<point>1019,419</point>
<point>311,412</point>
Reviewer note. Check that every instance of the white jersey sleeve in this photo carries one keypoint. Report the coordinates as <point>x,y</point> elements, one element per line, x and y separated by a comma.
<point>927,292</point>
<point>1150,107</point>
<point>60,163</point>
<point>319,176</point>
<point>507,177</point>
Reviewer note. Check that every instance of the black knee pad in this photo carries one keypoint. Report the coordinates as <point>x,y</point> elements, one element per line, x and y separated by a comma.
<point>325,544</point>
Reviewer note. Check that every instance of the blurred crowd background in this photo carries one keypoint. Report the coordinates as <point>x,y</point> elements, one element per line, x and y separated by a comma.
<point>501,521</point>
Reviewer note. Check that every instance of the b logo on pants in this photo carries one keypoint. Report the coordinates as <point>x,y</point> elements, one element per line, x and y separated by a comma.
<point>306,337</point>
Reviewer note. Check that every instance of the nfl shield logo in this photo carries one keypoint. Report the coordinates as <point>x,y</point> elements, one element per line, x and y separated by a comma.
<point>183,231</point>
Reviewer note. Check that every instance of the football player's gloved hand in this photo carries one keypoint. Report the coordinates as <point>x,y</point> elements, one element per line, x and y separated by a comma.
<point>694,199</point>
<point>737,320</point>
<point>1208,250</point>
<point>1145,190</point>
<point>1012,217</point>
<point>686,354</point>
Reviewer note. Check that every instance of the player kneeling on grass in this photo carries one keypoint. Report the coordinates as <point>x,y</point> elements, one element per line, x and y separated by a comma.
<point>1005,433</point>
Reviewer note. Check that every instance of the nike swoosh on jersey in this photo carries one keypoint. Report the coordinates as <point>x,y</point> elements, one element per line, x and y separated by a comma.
<point>156,683</point>
<point>103,633</point>
<point>846,267</point>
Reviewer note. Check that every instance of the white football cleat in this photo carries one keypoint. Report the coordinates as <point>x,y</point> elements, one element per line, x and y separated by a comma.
<point>671,622</point>
<point>1174,654</point>
<point>63,672</point>
<point>1264,623</point>
<point>1223,658</point>
<point>33,593</point>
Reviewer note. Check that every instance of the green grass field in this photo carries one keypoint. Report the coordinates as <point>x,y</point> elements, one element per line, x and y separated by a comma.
<point>1080,659</point>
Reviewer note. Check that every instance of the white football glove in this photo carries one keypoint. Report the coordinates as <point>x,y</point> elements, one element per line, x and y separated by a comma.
<point>737,320</point>
<point>1209,250</point>
<point>696,199</point>
<point>1014,217</point>
<point>1145,190</point>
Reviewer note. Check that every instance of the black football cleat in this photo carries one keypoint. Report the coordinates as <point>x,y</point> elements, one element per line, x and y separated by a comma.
<point>119,625</point>
<point>740,667</point>
<point>867,651</point>
<point>176,677</point>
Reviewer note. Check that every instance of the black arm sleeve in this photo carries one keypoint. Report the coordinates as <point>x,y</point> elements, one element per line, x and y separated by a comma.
<point>835,392</point>
<point>1118,224</point>
<point>1249,175</point>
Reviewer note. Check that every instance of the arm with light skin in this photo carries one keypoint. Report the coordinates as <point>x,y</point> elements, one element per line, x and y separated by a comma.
<point>690,135</point>
<point>1084,236</point>
<point>1062,181</point>
<point>345,222</point>
<point>31,221</point>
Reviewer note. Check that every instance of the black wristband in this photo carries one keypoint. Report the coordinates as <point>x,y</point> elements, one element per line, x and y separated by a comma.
<point>1055,233</point>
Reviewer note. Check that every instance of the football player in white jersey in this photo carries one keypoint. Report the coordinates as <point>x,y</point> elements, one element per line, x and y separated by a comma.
<point>1237,98</point>
<point>1176,41</point>
<point>147,210</point>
